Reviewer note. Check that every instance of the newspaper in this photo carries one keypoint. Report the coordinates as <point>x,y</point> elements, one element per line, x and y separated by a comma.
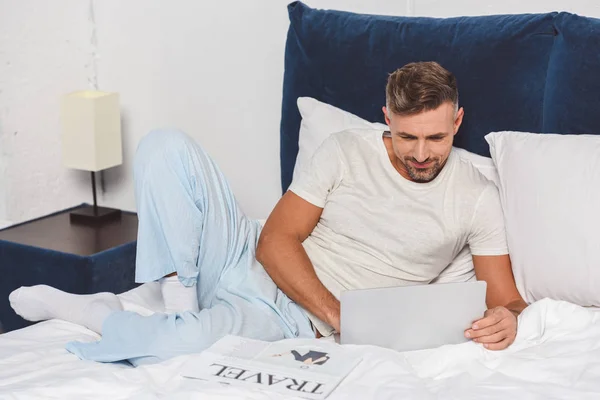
<point>305,368</point>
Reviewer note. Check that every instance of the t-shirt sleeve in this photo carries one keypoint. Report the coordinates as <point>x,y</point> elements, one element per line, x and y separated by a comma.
<point>488,235</point>
<point>321,175</point>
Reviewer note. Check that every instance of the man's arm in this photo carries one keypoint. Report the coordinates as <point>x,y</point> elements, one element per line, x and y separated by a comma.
<point>498,328</point>
<point>501,288</point>
<point>281,252</point>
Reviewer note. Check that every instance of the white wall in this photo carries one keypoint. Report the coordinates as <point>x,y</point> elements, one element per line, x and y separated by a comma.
<point>44,51</point>
<point>213,69</point>
<point>4,151</point>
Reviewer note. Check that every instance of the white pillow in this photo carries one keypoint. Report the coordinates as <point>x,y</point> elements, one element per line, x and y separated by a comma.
<point>319,120</point>
<point>550,193</point>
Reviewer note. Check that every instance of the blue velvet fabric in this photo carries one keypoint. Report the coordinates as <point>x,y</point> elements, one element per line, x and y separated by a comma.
<point>344,59</point>
<point>572,101</point>
<point>20,265</point>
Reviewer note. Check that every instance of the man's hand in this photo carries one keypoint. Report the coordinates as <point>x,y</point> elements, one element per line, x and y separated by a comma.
<point>496,330</point>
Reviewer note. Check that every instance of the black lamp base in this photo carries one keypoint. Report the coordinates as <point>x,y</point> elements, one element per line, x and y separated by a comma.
<point>91,216</point>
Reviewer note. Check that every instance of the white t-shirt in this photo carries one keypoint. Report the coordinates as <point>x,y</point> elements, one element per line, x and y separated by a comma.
<point>378,229</point>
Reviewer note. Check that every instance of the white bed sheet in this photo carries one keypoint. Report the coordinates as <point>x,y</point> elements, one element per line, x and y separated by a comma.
<point>556,356</point>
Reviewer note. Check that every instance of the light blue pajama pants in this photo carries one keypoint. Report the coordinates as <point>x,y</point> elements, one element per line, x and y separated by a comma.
<point>190,223</point>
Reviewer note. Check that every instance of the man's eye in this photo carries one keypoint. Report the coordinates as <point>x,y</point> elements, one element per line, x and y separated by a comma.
<point>406,137</point>
<point>436,139</point>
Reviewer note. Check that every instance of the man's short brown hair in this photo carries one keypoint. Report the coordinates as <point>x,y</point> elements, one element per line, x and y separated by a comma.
<point>418,87</point>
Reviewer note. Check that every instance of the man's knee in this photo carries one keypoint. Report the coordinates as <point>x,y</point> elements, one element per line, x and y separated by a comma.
<point>161,145</point>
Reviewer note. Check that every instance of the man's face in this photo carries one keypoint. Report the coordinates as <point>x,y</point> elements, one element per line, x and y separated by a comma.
<point>422,142</point>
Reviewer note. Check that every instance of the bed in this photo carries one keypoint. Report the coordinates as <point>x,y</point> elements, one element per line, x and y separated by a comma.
<point>532,73</point>
<point>556,356</point>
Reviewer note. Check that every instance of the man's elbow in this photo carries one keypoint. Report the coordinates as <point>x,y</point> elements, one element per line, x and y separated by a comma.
<point>270,245</point>
<point>262,248</point>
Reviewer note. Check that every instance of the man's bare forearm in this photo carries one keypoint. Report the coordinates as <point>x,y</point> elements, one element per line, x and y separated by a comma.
<point>286,261</point>
<point>516,306</point>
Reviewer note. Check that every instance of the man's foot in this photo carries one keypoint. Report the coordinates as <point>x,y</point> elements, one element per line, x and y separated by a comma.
<point>42,302</point>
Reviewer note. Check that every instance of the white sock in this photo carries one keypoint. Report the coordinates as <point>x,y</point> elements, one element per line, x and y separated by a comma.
<point>145,299</point>
<point>177,297</point>
<point>42,302</point>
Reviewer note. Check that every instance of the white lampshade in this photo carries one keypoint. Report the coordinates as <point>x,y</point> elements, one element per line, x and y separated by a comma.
<point>91,136</point>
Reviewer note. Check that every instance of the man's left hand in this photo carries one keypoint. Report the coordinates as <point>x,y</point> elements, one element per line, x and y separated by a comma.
<point>496,330</point>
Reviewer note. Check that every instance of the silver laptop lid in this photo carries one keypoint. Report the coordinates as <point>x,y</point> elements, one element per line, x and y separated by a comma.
<point>411,317</point>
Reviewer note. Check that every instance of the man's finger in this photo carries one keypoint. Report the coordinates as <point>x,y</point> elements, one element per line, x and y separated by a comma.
<point>492,319</point>
<point>495,338</point>
<point>498,346</point>
<point>490,330</point>
<point>507,323</point>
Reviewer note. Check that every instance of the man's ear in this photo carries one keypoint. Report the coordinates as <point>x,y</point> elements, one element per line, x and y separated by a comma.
<point>459,118</point>
<point>387,119</point>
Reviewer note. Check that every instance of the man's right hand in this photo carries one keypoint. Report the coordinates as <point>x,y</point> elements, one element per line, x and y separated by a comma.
<point>281,253</point>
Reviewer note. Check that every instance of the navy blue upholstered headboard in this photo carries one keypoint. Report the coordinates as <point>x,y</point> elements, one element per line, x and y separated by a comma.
<point>527,72</point>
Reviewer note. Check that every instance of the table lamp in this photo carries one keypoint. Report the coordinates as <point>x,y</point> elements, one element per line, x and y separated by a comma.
<point>91,141</point>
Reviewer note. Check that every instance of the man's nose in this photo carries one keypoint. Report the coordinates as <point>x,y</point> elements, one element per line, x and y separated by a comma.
<point>421,152</point>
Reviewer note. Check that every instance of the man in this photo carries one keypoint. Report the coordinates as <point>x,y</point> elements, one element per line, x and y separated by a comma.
<point>373,212</point>
<point>370,211</point>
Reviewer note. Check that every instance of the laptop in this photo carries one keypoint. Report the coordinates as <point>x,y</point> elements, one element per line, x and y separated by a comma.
<point>411,317</point>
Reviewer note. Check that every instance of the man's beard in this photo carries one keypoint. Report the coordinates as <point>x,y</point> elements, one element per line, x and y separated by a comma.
<point>423,175</point>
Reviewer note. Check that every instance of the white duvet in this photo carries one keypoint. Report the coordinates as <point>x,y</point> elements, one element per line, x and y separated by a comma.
<point>556,356</point>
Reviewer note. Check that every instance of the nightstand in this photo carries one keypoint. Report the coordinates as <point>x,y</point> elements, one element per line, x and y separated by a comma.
<point>76,258</point>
